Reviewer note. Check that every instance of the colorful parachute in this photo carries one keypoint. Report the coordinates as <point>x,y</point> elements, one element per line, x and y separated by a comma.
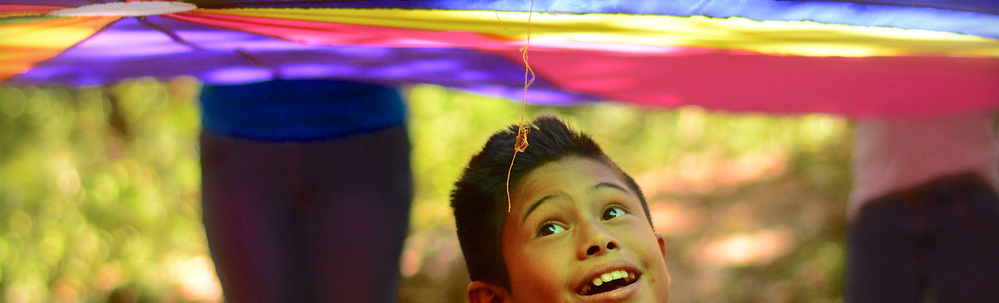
<point>859,58</point>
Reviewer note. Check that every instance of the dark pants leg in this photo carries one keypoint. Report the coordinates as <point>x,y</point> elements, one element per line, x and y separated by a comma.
<point>963,261</point>
<point>355,239</point>
<point>319,221</point>
<point>881,265</point>
<point>937,243</point>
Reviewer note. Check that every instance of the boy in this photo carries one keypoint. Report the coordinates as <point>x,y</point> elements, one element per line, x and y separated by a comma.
<point>578,228</point>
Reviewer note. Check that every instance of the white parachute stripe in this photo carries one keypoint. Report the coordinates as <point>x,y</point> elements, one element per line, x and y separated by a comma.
<point>126,9</point>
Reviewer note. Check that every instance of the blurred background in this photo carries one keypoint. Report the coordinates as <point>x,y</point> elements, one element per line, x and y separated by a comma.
<point>99,194</point>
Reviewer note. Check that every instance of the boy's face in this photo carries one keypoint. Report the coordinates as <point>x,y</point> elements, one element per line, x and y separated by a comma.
<point>574,224</point>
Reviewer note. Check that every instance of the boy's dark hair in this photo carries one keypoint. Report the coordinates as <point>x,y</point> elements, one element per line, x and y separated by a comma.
<point>479,197</point>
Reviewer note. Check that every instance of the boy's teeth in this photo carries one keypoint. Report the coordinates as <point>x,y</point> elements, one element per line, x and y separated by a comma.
<point>607,277</point>
<point>611,276</point>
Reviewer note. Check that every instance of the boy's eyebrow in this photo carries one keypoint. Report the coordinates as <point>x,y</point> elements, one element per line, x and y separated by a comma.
<point>545,198</point>
<point>535,206</point>
<point>611,185</point>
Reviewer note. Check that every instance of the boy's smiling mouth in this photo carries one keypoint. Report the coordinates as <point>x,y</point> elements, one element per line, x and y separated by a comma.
<point>608,282</point>
<point>608,279</point>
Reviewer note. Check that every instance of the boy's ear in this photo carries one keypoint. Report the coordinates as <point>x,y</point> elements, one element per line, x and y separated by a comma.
<point>662,244</point>
<point>482,292</point>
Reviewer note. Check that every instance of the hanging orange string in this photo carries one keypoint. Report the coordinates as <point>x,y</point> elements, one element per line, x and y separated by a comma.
<point>491,3</point>
<point>522,131</point>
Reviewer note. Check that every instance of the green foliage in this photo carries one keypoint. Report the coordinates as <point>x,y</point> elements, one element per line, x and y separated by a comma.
<point>99,186</point>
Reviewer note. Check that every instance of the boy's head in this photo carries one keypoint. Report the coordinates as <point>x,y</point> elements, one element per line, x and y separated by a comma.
<point>578,229</point>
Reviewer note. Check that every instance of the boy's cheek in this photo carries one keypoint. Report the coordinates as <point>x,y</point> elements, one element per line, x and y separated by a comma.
<point>544,269</point>
<point>537,287</point>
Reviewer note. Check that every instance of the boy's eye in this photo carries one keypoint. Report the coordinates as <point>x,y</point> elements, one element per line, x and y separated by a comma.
<point>550,229</point>
<point>613,212</point>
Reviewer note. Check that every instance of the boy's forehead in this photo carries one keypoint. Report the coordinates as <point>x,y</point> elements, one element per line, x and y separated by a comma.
<point>582,168</point>
<point>570,173</point>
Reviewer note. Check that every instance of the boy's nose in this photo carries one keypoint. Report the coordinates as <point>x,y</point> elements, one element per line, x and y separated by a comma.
<point>596,242</point>
<point>595,249</point>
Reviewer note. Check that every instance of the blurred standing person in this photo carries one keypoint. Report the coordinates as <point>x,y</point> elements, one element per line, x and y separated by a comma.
<point>306,188</point>
<point>924,211</point>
